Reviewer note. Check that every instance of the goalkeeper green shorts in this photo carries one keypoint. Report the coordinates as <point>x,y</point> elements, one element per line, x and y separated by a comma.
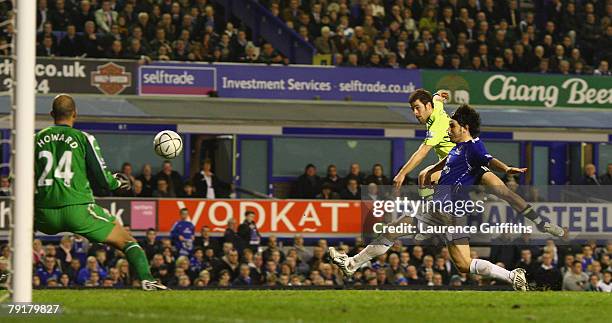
<point>88,220</point>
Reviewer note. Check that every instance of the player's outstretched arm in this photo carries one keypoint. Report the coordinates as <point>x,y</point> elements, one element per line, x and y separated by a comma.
<point>96,166</point>
<point>441,95</point>
<point>415,160</point>
<point>500,166</point>
<point>437,167</point>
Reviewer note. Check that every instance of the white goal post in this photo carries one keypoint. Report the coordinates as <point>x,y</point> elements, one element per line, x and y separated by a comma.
<point>23,147</point>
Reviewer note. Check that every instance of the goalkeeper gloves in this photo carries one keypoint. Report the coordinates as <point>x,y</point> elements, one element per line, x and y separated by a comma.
<point>124,181</point>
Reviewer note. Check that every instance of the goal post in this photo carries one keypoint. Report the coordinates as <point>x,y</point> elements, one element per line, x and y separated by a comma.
<point>24,96</point>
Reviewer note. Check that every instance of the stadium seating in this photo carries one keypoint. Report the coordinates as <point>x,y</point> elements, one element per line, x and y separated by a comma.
<point>490,35</point>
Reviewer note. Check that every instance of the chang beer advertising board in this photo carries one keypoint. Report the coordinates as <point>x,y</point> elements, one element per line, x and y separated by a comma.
<point>522,89</point>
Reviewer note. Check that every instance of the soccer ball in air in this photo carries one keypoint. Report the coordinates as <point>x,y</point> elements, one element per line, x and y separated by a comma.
<point>168,144</point>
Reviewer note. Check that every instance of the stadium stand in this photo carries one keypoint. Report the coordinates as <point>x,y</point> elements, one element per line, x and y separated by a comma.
<point>226,262</point>
<point>240,257</point>
<point>561,37</point>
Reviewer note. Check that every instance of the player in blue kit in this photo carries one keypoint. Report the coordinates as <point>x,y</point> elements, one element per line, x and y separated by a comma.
<point>466,164</point>
<point>182,234</point>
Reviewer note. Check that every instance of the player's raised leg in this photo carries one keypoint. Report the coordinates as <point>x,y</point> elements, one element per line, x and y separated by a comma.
<point>122,240</point>
<point>460,253</point>
<point>499,189</point>
<point>377,247</point>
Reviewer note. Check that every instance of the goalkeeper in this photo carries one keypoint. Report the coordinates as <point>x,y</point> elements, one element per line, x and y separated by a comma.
<point>68,163</point>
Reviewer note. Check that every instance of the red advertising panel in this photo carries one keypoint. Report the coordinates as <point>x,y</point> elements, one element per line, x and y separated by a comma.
<point>278,216</point>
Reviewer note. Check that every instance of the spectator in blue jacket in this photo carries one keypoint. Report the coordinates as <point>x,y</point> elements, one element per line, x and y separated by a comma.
<point>196,263</point>
<point>80,247</point>
<point>249,235</point>
<point>48,270</point>
<point>244,278</point>
<point>182,234</point>
<point>92,266</point>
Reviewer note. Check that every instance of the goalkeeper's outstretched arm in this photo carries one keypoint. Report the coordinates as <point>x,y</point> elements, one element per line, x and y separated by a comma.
<point>96,167</point>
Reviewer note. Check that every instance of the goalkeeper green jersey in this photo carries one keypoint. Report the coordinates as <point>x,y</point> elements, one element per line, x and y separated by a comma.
<point>67,163</point>
<point>437,126</point>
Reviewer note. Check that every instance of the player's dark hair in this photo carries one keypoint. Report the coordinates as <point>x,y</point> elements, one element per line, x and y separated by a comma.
<point>467,116</point>
<point>63,107</point>
<point>422,95</point>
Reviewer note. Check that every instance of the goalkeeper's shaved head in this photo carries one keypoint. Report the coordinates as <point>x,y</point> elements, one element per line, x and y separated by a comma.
<point>64,108</point>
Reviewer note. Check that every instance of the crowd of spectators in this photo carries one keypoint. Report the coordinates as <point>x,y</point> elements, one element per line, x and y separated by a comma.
<point>309,185</point>
<point>204,184</point>
<point>236,260</point>
<point>243,257</point>
<point>356,185</point>
<point>566,37</point>
<point>591,178</point>
<point>560,37</point>
<point>169,183</point>
<point>146,30</point>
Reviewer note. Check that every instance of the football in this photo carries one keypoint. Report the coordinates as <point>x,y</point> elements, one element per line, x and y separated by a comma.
<point>168,144</point>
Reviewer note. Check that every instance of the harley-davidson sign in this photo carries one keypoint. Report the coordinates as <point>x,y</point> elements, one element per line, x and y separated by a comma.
<point>111,78</point>
<point>76,76</point>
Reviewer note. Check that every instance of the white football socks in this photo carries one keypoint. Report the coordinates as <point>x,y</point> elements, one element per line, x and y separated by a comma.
<point>486,268</point>
<point>530,213</point>
<point>368,253</point>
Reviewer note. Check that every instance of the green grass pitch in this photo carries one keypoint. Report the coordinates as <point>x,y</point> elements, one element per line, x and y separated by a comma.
<point>119,306</point>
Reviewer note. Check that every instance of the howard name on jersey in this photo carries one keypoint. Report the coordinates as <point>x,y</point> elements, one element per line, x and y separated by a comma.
<point>53,137</point>
<point>67,163</point>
